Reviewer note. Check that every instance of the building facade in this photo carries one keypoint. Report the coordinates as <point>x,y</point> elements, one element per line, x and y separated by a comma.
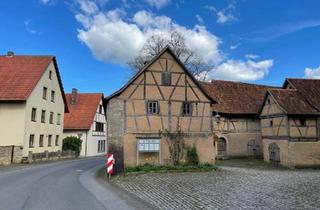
<point>86,120</point>
<point>161,96</point>
<point>32,107</point>
<point>236,117</point>
<point>291,124</point>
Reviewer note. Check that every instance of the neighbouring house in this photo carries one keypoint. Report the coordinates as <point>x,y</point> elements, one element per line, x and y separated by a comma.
<point>86,120</point>
<point>236,117</point>
<point>32,107</point>
<point>290,120</point>
<point>162,95</point>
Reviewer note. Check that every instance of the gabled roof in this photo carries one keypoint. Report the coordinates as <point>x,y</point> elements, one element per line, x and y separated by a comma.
<point>81,115</point>
<point>20,74</point>
<point>166,49</point>
<point>292,102</point>
<point>236,97</point>
<point>308,88</point>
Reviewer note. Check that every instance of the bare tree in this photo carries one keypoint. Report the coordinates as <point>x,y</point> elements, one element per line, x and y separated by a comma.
<point>175,40</point>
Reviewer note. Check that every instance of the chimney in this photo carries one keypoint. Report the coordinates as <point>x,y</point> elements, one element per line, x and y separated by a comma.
<point>10,53</point>
<point>74,96</point>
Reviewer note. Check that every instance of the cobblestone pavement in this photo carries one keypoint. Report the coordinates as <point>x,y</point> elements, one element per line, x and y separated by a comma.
<point>228,188</point>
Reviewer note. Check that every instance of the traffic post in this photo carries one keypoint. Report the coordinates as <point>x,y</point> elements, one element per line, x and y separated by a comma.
<point>110,162</point>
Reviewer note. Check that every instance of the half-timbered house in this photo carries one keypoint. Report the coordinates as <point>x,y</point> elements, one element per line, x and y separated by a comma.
<point>162,95</point>
<point>235,117</point>
<point>291,124</point>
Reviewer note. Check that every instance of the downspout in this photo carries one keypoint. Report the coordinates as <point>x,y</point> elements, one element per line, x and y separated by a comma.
<point>86,144</point>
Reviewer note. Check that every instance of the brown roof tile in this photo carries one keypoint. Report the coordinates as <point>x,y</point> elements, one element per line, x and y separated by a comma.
<point>236,97</point>
<point>19,75</point>
<point>82,114</point>
<point>309,88</point>
<point>292,102</point>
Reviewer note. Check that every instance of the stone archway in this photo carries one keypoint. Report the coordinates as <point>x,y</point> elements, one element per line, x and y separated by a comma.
<point>274,153</point>
<point>222,148</point>
<point>253,149</point>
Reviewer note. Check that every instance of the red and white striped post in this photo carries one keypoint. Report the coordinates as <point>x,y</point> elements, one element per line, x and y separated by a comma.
<point>110,163</point>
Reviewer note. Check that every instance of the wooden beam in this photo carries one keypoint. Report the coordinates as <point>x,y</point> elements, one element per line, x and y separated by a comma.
<point>157,86</point>
<point>174,87</point>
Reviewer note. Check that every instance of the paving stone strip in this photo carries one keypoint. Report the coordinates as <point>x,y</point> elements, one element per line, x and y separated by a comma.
<point>228,188</point>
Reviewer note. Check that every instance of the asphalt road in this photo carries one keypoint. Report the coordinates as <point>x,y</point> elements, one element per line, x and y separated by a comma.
<point>73,184</point>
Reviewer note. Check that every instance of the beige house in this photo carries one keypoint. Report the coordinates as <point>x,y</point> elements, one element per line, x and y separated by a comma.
<point>86,120</point>
<point>290,120</point>
<point>162,95</point>
<point>32,106</point>
<point>236,117</point>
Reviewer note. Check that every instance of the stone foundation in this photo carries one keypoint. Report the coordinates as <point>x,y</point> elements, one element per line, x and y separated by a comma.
<point>10,154</point>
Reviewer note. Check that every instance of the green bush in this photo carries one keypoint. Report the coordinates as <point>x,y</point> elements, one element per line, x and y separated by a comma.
<point>72,143</point>
<point>192,156</point>
<point>148,168</point>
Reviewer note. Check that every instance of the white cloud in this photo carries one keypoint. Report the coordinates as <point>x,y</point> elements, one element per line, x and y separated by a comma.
<point>45,2</point>
<point>114,38</point>
<point>224,15</point>
<point>88,7</point>
<point>312,73</point>
<point>158,3</point>
<point>241,70</point>
<point>199,19</point>
<point>252,56</point>
<point>28,27</point>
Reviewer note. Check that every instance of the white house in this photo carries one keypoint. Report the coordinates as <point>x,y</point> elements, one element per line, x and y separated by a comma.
<point>87,121</point>
<point>32,106</point>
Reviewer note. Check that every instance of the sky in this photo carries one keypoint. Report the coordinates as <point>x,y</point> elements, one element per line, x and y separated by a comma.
<point>255,41</point>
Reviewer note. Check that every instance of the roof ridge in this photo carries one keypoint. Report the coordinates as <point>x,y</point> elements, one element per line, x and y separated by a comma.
<point>244,83</point>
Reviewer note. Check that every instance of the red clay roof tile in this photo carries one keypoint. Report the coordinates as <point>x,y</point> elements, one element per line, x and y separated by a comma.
<point>81,115</point>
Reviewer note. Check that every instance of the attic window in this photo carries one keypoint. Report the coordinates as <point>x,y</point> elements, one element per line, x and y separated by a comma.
<point>271,123</point>
<point>166,78</point>
<point>50,74</point>
<point>268,101</point>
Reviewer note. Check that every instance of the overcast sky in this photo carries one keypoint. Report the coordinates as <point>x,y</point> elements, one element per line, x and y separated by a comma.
<point>253,41</point>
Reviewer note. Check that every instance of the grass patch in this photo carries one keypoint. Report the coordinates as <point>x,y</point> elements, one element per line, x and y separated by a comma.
<point>148,168</point>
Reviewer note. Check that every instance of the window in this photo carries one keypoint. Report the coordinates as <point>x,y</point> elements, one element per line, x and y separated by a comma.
<point>50,74</point>
<point>44,93</point>
<point>41,140</point>
<point>153,107</point>
<point>186,109</point>
<point>100,109</point>
<point>57,140</point>
<point>43,116</point>
<point>149,145</point>
<point>49,140</point>
<point>31,141</point>
<point>58,119</point>
<point>33,114</point>
<point>101,146</point>
<point>52,95</point>
<point>271,123</point>
<point>268,101</point>
<point>302,121</point>
<point>51,118</point>
<point>99,126</point>
<point>166,78</point>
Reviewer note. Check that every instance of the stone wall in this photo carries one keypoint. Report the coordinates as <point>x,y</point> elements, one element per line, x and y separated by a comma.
<point>115,131</point>
<point>204,145</point>
<point>46,156</point>
<point>10,154</point>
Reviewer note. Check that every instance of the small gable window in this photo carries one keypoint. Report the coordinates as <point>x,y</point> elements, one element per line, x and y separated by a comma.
<point>166,78</point>
<point>153,107</point>
<point>44,93</point>
<point>186,109</point>
<point>271,123</point>
<point>50,74</point>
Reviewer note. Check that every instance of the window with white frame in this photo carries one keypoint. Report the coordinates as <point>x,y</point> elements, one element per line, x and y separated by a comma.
<point>153,107</point>
<point>149,145</point>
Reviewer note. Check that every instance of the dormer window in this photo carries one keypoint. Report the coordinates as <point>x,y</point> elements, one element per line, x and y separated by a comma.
<point>166,78</point>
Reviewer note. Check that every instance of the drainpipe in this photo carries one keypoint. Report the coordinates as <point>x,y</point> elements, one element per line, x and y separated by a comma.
<point>86,144</point>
